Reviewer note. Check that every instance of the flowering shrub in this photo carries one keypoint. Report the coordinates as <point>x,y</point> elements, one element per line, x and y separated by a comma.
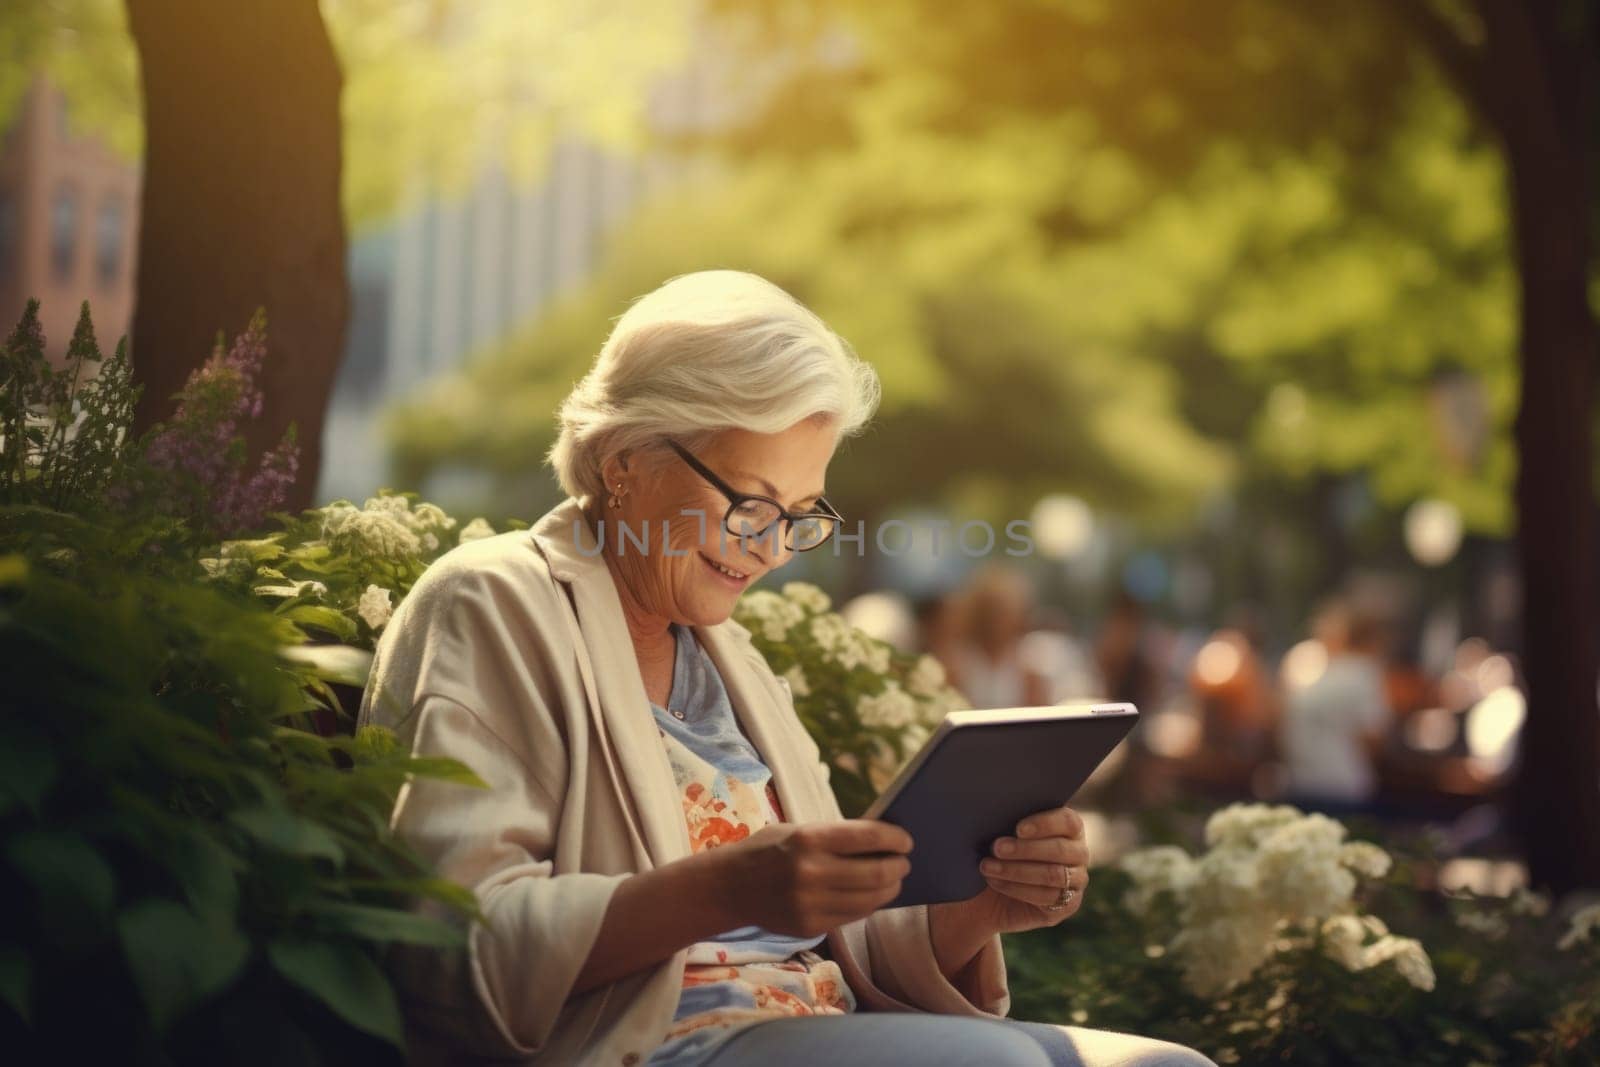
<point>215,882</point>
<point>1272,880</point>
<point>341,570</point>
<point>868,705</point>
<point>62,431</point>
<point>67,443</point>
<point>1283,942</point>
<point>199,457</point>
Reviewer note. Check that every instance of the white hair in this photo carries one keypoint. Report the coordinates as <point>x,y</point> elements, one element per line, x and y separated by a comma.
<point>705,352</point>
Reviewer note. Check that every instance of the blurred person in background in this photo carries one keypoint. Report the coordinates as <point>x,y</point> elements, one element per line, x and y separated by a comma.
<point>1237,713</point>
<point>989,661</point>
<point>1051,650</point>
<point>1128,667</point>
<point>1334,726</point>
<point>940,626</point>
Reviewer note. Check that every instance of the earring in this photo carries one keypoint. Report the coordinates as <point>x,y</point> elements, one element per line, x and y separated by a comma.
<point>615,501</point>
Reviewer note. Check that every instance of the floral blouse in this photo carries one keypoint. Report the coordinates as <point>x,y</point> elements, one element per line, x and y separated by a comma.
<point>747,975</point>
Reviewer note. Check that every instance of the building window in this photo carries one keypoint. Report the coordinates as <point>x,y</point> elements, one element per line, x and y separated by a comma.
<point>108,240</point>
<point>64,233</point>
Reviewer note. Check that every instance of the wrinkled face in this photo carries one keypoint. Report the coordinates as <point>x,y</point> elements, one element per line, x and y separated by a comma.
<point>682,577</point>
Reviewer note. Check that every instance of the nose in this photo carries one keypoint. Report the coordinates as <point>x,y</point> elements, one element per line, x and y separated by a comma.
<point>779,552</point>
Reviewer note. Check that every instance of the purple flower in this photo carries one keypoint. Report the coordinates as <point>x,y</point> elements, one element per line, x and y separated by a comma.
<point>201,453</point>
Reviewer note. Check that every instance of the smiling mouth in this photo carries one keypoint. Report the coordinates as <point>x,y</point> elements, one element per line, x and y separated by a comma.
<point>727,572</point>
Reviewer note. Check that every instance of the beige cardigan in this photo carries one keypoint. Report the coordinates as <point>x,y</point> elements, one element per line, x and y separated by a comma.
<point>511,654</point>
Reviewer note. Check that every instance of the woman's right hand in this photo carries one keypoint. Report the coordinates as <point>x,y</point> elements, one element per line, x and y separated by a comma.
<point>805,879</point>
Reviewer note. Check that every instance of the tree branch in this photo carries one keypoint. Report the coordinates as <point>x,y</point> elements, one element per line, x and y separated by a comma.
<point>1461,60</point>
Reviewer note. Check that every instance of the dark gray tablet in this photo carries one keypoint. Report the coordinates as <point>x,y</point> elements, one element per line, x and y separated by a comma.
<point>979,775</point>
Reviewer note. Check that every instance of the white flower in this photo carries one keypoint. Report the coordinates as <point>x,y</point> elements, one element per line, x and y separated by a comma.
<point>475,530</point>
<point>948,700</point>
<point>1486,923</point>
<point>1300,871</point>
<point>1271,876</point>
<point>380,529</point>
<point>1366,859</point>
<point>1585,921</point>
<point>1246,824</point>
<point>1220,954</point>
<point>375,606</point>
<point>335,516</point>
<point>396,506</point>
<point>430,541</point>
<point>1408,956</point>
<point>892,709</point>
<point>927,677</point>
<point>1528,902</point>
<point>848,647</point>
<point>1343,937</point>
<point>797,681</point>
<point>1158,869</point>
<point>430,516</point>
<point>830,632</point>
<point>876,653</point>
<point>807,596</point>
<point>772,615</point>
<point>914,737</point>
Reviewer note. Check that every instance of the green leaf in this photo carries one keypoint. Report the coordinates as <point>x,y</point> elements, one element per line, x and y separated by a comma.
<point>345,979</point>
<point>27,763</point>
<point>376,742</point>
<point>66,871</point>
<point>16,981</point>
<point>385,924</point>
<point>323,618</point>
<point>282,830</point>
<point>176,959</point>
<point>205,871</point>
<point>441,889</point>
<point>445,770</point>
<point>341,664</point>
<point>13,569</point>
<point>256,551</point>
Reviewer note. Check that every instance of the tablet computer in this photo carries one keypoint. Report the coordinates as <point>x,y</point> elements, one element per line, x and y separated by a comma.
<point>981,773</point>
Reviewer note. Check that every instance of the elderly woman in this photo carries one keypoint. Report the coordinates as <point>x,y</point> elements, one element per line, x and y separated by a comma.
<point>662,871</point>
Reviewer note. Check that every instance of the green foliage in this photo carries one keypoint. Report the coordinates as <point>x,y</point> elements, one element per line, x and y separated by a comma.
<point>185,853</point>
<point>1135,251</point>
<point>171,830</point>
<point>64,429</point>
<point>441,89</point>
<point>68,442</point>
<point>1246,194</point>
<point>338,571</point>
<point>448,89</point>
<point>84,48</point>
<point>982,383</point>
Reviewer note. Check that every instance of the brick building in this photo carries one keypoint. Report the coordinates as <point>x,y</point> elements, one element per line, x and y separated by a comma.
<point>69,210</point>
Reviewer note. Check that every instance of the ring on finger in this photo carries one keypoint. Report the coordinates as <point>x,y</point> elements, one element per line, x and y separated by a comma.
<point>1065,896</point>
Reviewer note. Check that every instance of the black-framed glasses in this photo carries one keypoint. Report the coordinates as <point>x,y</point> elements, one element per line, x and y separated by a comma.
<point>750,516</point>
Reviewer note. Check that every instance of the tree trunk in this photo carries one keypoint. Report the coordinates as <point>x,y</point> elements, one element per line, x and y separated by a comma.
<point>1543,77</point>
<point>241,207</point>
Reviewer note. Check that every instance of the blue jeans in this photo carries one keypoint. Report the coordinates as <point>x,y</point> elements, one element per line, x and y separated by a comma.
<point>871,1039</point>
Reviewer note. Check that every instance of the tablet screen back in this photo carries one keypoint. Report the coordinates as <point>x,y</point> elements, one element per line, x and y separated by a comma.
<point>980,781</point>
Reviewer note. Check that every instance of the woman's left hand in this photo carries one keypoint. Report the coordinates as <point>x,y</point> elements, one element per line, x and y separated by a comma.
<point>1027,873</point>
